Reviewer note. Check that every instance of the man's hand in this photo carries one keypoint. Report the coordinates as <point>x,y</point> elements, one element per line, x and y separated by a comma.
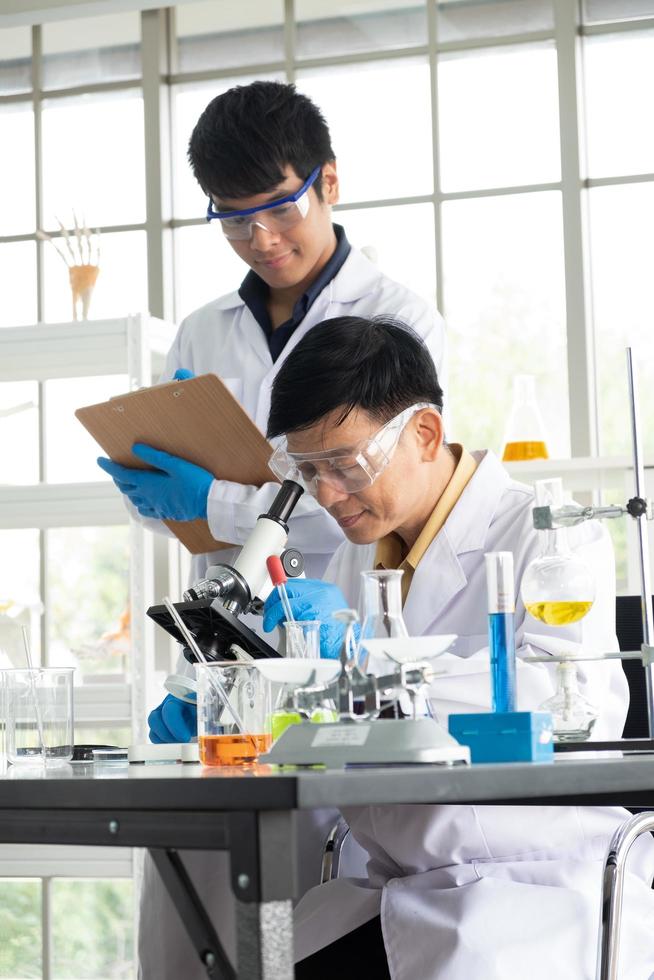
<point>176,491</point>
<point>173,721</point>
<point>311,599</point>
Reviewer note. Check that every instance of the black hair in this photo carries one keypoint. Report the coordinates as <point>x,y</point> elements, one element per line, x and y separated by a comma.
<point>246,137</point>
<point>377,364</point>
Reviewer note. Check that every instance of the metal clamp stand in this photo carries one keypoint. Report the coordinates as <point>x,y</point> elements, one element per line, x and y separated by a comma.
<point>612,888</point>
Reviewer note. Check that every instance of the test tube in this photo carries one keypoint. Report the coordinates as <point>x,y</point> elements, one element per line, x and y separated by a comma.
<point>501,629</point>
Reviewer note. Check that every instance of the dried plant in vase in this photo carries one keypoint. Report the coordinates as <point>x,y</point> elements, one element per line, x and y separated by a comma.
<point>81,254</point>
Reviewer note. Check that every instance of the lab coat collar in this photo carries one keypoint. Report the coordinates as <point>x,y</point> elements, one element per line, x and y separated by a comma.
<point>439,576</point>
<point>357,277</point>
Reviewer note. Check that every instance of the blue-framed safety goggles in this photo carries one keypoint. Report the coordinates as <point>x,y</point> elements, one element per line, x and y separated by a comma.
<point>274,217</point>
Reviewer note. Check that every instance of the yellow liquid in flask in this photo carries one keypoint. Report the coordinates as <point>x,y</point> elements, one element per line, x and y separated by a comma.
<point>558,613</point>
<point>514,451</point>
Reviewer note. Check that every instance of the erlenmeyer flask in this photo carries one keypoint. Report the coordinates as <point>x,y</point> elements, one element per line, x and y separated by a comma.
<point>573,716</point>
<point>382,605</point>
<point>557,587</point>
<point>525,432</point>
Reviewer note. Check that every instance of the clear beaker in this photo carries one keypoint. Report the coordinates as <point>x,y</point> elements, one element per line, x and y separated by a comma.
<point>573,716</point>
<point>303,639</point>
<point>524,437</point>
<point>223,742</point>
<point>39,715</point>
<point>557,588</point>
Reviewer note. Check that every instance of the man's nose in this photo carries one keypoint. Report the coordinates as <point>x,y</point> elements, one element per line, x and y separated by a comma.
<point>261,238</point>
<point>327,495</point>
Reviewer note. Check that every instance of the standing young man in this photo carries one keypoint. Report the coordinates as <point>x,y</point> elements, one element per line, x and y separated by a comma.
<point>262,154</point>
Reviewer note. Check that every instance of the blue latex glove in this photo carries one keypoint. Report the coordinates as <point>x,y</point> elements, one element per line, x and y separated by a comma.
<point>310,599</point>
<point>177,491</point>
<point>173,721</point>
<point>182,374</point>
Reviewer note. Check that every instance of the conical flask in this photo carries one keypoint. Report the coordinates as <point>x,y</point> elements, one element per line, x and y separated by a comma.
<point>573,716</point>
<point>381,594</point>
<point>557,588</point>
<point>525,432</point>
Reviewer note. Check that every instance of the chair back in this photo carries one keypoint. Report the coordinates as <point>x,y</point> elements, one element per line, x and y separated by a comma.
<point>629,629</point>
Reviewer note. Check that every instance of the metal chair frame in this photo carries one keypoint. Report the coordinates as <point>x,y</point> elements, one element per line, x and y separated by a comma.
<point>608,948</point>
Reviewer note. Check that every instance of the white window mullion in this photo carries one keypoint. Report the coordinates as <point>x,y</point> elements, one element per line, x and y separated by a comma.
<point>581,361</point>
<point>46,928</point>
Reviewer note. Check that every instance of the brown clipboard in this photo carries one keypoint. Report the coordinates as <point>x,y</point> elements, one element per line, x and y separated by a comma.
<point>198,419</point>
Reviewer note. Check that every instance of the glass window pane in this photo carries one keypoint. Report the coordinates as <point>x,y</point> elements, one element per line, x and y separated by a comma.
<point>93,929</point>
<point>91,49</point>
<point>118,734</point>
<point>19,432</point>
<point>505,311</point>
<point>622,257</point>
<point>20,928</point>
<point>93,159</point>
<point>402,242</point>
<point>15,60</point>
<point>619,78</point>
<point>463,20</point>
<point>18,262</point>
<point>206,266</point>
<point>380,121</point>
<point>364,25</point>
<point>604,11</point>
<point>71,453</point>
<point>224,34</point>
<point>88,582</point>
<point>20,603</point>
<point>189,102</point>
<point>17,194</point>
<point>499,118</point>
<point>122,285</point>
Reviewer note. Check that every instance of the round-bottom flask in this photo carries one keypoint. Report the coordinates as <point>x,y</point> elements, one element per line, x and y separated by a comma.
<point>557,588</point>
<point>573,716</point>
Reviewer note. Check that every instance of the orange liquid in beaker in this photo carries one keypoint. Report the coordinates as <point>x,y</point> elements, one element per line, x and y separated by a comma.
<point>232,750</point>
<point>514,451</point>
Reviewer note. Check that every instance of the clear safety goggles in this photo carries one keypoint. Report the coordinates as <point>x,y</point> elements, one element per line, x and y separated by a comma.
<point>274,217</point>
<point>347,470</point>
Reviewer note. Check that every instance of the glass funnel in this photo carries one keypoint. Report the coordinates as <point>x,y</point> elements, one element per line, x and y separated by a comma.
<point>525,432</point>
<point>381,599</point>
<point>557,588</point>
<point>573,716</point>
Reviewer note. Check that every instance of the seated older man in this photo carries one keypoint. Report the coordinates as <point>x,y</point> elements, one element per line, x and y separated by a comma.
<point>453,892</point>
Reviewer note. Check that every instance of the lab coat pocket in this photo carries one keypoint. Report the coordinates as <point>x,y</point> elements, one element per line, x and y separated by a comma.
<point>493,928</point>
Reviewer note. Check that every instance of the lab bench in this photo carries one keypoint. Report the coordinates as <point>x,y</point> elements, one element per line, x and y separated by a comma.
<point>167,808</point>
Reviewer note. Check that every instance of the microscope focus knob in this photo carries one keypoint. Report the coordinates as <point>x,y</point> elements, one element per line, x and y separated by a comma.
<point>292,562</point>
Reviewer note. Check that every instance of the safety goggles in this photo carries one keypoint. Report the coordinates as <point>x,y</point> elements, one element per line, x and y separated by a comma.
<point>274,217</point>
<point>347,470</point>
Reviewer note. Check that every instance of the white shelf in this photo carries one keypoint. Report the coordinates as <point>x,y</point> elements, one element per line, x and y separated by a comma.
<point>47,505</point>
<point>88,348</point>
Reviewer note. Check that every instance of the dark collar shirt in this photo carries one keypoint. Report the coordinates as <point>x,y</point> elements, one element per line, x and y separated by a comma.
<point>254,293</point>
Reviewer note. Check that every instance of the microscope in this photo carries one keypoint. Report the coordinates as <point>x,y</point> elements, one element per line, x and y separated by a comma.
<point>212,608</point>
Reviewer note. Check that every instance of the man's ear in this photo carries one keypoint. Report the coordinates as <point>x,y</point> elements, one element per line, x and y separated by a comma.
<point>429,429</point>
<point>329,183</point>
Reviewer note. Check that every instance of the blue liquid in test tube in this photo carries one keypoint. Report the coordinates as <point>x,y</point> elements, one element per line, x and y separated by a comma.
<point>501,629</point>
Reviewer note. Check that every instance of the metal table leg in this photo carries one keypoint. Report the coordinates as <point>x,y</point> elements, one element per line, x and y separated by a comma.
<point>192,913</point>
<point>612,889</point>
<point>262,853</point>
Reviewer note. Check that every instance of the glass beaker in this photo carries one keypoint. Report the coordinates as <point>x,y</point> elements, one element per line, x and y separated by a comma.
<point>39,713</point>
<point>223,742</point>
<point>303,639</point>
<point>525,432</point>
<point>557,588</point>
<point>573,716</point>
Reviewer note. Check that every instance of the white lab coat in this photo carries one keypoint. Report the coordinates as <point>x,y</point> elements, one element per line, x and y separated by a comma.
<point>498,893</point>
<point>224,338</point>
